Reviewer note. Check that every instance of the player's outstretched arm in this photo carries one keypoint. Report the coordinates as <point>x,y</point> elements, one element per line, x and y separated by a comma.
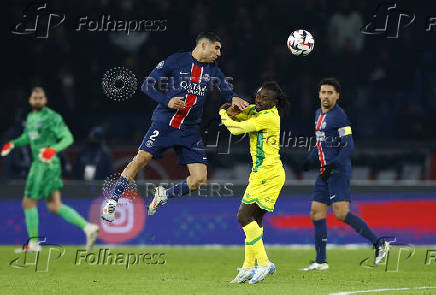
<point>236,127</point>
<point>227,92</point>
<point>20,141</point>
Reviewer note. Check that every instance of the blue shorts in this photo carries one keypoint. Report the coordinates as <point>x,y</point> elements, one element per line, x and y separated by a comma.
<point>335,189</point>
<point>186,142</point>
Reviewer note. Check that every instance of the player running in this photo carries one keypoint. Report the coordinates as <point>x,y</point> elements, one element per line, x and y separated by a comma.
<point>176,118</point>
<point>334,144</point>
<point>47,135</point>
<point>262,123</point>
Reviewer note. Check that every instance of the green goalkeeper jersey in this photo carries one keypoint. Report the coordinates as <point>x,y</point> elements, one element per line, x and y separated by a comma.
<point>45,128</point>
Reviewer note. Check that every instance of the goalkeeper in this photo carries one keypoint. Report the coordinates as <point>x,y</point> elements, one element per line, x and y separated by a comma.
<point>262,123</point>
<point>47,134</point>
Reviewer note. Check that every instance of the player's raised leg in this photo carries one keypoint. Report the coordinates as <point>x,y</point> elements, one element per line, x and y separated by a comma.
<point>197,176</point>
<point>342,212</point>
<point>55,205</point>
<point>141,159</point>
<point>318,214</point>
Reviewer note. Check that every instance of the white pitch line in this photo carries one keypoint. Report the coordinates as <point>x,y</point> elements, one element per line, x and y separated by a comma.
<point>380,290</point>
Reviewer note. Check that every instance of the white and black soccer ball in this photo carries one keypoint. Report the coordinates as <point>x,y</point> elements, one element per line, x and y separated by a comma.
<point>300,42</point>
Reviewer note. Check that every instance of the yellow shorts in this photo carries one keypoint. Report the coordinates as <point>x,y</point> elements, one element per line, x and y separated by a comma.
<point>264,188</point>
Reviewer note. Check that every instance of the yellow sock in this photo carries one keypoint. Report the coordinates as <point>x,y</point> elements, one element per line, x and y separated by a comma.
<point>253,239</point>
<point>250,257</point>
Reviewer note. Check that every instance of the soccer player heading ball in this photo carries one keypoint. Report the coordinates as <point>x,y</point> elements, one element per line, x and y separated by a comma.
<point>176,118</point>
<point>47,134</point>
<point>262,122</point>
<point>334,143</point>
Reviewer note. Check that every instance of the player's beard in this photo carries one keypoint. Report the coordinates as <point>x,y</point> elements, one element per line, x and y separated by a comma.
<point>37,107</point>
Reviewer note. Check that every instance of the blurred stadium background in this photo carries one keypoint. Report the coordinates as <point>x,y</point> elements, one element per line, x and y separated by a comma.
<point>389,88</point>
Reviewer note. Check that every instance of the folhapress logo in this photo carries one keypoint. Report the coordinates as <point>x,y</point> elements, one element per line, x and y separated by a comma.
<point>38,20</point>
<point>40,260</point>
<point>387,20</point>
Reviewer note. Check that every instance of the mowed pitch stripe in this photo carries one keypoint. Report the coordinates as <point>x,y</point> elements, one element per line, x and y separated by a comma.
<point>381,290</point>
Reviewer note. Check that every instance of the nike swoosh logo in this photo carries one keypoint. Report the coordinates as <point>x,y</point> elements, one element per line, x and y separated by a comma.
<point>332,197</point>
<point>183,73</point>
<point>204,158</point>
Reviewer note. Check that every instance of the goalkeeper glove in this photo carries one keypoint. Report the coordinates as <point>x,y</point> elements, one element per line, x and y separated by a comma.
<point>328,170</point>
<point>47,154</point>
<point>7,148</point>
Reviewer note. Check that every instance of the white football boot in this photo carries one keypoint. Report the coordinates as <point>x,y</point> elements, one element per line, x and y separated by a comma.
<point>160,198</point>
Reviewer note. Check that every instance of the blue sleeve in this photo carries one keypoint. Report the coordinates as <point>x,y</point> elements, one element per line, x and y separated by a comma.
<point>312,156</point>
<point>163,69</point>
<point>346,142</point>
<point>346,147</point>
<point>224,87</point>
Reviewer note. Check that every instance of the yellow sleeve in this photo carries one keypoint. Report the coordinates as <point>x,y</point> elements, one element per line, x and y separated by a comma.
<point>237,127</point>
<point>246,113</point>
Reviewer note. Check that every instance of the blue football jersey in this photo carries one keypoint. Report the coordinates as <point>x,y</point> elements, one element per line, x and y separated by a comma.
<point>186,77</point>
<point>330,127</point>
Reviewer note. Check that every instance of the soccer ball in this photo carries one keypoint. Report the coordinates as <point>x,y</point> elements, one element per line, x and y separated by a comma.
<point>300,42</point>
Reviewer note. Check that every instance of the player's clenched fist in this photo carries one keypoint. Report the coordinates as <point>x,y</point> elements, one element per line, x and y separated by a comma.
<point>7,148</point>
<point>46,154</point>
<point>177,103</point>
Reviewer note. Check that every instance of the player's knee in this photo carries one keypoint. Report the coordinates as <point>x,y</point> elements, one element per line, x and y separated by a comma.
<point>28,203</point>
<point>53,207</point>
<point>243,219</point>
<point>316,214</point>
<point>197,180</point>
<point>340,214</point>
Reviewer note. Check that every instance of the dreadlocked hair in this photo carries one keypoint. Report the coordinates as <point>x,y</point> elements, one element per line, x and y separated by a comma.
<point>283,103</point>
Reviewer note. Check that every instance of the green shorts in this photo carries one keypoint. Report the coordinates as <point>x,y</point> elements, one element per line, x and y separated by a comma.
<point>43,179</point>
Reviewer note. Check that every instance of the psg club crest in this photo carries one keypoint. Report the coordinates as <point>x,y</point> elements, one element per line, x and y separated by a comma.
<point>206,77</point>
<point>323,125</point>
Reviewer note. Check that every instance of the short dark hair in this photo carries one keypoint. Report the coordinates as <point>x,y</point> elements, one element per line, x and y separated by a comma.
<point>38,89</point>
<point>283,103</point>
<point>211,36</point>
<point>332,82</point>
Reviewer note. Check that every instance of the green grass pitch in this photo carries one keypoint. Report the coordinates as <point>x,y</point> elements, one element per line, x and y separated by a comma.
<point>197,270</point>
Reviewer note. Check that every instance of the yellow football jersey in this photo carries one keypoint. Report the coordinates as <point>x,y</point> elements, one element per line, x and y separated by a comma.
<point>264,130</point>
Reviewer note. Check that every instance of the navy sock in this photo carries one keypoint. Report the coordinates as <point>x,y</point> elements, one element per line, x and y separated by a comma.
<point>320,239</point>
<point>178,190</point>
<point>361,227</point>
<point>120,186</point>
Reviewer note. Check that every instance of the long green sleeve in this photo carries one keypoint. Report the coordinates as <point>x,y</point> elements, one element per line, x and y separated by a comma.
<point>63,134</point>
<point>22,140</point>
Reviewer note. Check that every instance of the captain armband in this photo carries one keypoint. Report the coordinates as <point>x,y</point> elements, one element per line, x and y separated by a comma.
<point>343,131</point>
